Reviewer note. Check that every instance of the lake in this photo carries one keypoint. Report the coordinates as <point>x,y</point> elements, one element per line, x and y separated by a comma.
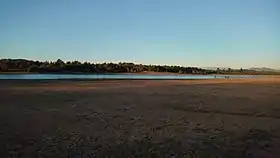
<point>113,76</point>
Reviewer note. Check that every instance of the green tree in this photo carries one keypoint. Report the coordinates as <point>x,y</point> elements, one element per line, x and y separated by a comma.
<point>59,63</point>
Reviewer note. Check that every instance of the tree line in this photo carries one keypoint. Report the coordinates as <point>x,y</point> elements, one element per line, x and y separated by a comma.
<point>59,66</point>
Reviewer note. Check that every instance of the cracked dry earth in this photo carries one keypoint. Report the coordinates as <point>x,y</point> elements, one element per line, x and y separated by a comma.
<point>141,118</point>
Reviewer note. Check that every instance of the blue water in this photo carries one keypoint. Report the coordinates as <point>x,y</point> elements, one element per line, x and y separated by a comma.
<point>114,76</point>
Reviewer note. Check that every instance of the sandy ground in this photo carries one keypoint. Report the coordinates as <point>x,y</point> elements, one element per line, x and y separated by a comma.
<point>141,118</point>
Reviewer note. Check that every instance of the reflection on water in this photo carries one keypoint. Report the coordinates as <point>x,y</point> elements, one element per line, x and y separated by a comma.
<point>116,76</point>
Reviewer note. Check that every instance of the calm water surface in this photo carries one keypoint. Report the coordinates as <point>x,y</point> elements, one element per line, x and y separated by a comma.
<point>114,76</point>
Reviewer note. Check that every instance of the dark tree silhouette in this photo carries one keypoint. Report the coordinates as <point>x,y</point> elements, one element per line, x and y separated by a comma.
<point>59,66</point>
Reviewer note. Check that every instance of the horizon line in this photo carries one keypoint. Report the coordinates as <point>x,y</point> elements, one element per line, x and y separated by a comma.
<point>139,63</point>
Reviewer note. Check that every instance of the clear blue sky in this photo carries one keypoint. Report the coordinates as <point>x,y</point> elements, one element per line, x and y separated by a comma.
<point>229,33</point>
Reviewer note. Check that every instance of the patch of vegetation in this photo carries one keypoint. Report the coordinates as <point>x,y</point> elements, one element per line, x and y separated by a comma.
<point>59,66</point>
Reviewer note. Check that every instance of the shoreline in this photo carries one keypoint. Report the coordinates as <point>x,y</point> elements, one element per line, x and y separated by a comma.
<point>136,73</point>
<point>263,77</point>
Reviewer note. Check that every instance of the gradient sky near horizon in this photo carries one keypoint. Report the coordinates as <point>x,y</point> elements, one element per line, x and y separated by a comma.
<point>225,33</point>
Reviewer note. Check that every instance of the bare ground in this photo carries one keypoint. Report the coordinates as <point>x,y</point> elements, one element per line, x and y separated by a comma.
<point>144,118</point>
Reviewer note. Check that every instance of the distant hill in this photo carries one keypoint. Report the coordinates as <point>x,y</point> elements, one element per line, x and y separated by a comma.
<point>250,69</point>
<point>263,69</point>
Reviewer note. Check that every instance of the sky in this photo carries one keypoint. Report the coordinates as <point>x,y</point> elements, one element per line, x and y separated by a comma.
<point>219,33</point>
